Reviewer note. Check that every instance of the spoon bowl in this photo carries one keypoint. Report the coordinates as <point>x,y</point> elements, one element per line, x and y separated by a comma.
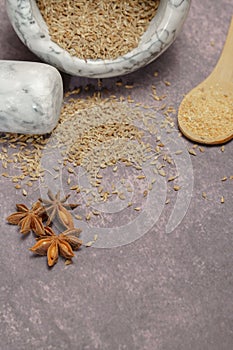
<point>206,112</point>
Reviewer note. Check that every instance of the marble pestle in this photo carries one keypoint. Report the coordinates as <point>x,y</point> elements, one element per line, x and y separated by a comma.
<point>31,96</point>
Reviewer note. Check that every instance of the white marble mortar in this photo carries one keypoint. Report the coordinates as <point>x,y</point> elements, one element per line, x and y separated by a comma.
<point>162,31</point>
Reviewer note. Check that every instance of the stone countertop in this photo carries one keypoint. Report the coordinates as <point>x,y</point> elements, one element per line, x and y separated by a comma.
<point>163,291</point>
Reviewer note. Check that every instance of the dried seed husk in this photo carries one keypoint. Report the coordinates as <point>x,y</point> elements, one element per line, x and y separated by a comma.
<point>38,227</point>
<point>25,224</point>
<point>52,253</point>
<point>65,249</point>
<point>41,247</point>
<point>71,236</point>
<point>15,218</point>
<point>65,217</point>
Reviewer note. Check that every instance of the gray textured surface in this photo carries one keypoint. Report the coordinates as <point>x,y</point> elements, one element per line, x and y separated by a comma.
<point>162,292</point>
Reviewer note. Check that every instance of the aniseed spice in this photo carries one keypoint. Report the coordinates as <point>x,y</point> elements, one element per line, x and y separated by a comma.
<point>97,29</point>
<point>97,133</point>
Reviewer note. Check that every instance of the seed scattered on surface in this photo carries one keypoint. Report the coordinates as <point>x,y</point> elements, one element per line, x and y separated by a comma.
<point>204,195</point>
<point>88,216</point>
<point>172,178</point>
<point>70,170</point>
<point>224,178</point>
<point>162,172</point>
<point>121,196</point>
<point>140,177</point>
<point>89,244</point>
<point>68,262</point>
<point>176,188</point>
<point>78,217</point>
<point>5,175</point>
<point>137,208</point>
<point>222,200</point>
<point>150,186</point>
<point>74,188</point>
<point>192,152</point>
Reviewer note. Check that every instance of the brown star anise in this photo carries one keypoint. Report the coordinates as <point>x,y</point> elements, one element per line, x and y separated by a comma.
<point>28,219</point>
<point>56,206</point>
<point>52,245</point>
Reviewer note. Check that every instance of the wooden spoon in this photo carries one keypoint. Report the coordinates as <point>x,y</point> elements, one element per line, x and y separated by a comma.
<point>206,112</point>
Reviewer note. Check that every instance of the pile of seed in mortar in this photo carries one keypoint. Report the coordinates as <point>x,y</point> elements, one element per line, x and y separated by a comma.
<point>100,29</point>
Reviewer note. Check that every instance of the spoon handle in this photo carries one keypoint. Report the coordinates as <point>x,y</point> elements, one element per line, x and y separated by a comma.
<point>224,68</point>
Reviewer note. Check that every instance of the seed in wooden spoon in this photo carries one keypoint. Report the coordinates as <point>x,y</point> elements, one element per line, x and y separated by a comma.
<point>206,113</point>
<point>206,116</point>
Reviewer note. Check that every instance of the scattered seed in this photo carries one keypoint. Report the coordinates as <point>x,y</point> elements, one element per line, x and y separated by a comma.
<point>137,208</point>
<point>70,170</point>
<point>162,172</point>
<point>74,188</point>
<point>78,217</point>
<point>24,192</point>
<point>68,262</point>
<point>192,152</point>
<point>128,86</point>
<point>5,175</point>
<point>178,152</point>
<point>121,196</point>
<point>204,195</point>
<point>224,178</point>
<point>140,177</point>
<point>88,216</point>
<point>172,178</point>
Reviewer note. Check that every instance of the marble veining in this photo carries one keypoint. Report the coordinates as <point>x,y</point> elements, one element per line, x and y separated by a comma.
<point>163,30</point>
<point>31,96</point>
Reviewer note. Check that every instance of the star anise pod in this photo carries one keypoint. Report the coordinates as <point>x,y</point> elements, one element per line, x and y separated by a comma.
<point>52,245</point>
<point>28,219</point>
<point>56,207</point>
